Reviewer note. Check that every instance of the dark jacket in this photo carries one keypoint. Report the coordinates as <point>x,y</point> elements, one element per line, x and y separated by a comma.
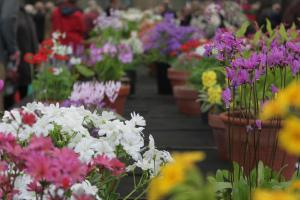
<point>292,14</point>
<point>8,15</point>
<point>27,43</point>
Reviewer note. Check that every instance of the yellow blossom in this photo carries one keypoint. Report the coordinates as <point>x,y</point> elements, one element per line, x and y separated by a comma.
<point>188,159</point>
<point>209,79</point>
<point>276,108</point>
<point>273,195</point>
<point>214,94</point>
<point>291,94</point>
<point>294,186</point>
<point>289,136</point>
<point>172,174</point>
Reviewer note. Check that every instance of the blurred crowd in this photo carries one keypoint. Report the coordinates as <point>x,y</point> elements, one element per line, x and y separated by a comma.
<point>24,26</point>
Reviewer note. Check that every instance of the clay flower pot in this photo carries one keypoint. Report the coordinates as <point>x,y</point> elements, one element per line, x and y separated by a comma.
<point>219,132</point>
<point>248,147</point>
<point>178,77</point>
<point>186,100</point>
<point>119,104</point>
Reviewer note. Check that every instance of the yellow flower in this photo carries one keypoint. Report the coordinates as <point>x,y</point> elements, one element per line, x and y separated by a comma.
<point>291,94</point>
<point>276,108</point>
<point>188,159</point>
<point>209,79</point>
<point>273,195</point>
<point>172,174</point>
<point>289,136</point>
<point>214,94</point>
<point>294,186</point>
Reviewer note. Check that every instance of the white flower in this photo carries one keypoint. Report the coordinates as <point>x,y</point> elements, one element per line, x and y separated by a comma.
<point>75,61</point>
<point>90,147</point>
<point>137,119</point>
<point>85,188</point>
<point>200,50</point>
<point>21,183</point>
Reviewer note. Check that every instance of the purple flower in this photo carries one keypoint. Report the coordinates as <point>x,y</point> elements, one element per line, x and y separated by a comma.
<point>258,124</point>
<point>110,49</point>
<point>226,96</point>
<point>242,77</point>
<point>274,89</point>
<point>295,66</point>
<point>125,53</point>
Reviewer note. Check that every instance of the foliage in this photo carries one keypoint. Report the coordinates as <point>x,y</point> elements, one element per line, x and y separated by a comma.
<point>53,84</point>
<point>236,185</point>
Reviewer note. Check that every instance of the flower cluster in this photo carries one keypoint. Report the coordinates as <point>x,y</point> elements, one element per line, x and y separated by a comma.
<point>122,52</point>
<point>50,49</point>
<point>66,145</point>
<point>105,22</point>
<point>167,37</point>
<point>92,94</point>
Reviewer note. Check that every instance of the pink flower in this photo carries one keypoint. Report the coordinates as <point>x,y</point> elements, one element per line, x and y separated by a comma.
<point>84,197</point>
<point>1,85</point>
<point>40,144</point>
<point>114,165</point>
<point>118,167</point>
<point>38,165</point>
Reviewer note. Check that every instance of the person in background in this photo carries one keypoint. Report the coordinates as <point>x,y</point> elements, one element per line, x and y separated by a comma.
<point>90,15</point>
<point>68,18</point>
<point>39,20</point>
<point>273,14</point>
<point>292,14</point>
<point>186,15</point>
<point>48,16</point>
<point>9,54</point>
<point>28,43</point>
<point>166,9</point>
<point>113,6</point>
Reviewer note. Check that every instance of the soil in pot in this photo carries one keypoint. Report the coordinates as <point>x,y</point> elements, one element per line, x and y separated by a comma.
<point>219,133</point>
<point>132,75</point>
<point>163,82</point>
<point>178,77</point>
<point>186,100</point>
<point>119,105</point>
<point>247,146</point>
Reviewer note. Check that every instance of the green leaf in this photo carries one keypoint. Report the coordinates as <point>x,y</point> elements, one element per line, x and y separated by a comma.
<point>257,37</point>
<point>84,71</point>
<point>293,31</point>
<point>242,31</point>
<point>269,28</point>
<point>283,33</point>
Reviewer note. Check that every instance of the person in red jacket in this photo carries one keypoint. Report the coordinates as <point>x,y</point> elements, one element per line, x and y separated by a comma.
<point>68,18</point>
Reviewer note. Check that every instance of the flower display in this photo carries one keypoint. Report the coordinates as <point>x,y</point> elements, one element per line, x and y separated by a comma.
<point>65,148</point>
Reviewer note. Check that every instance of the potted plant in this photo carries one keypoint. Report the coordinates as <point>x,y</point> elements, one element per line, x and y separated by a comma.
<point>182,65</point>
<point>53,82</point>
<point>106,64</point>
<point>161,44</point>
<point>253,78</point>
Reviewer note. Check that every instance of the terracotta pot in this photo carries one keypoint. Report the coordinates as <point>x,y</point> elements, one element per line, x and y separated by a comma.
<point>119,104</point>
<point>247,148</point>
<point>151,69</point>
<point>219,132</point>
<point>178,77</point>
<point>186,100</point>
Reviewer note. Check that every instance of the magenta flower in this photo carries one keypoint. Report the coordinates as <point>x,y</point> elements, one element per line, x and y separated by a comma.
<point>226,96</point>
<point>274,89</point>
<point>258,124</point>
<point>1,85</point>
<point>114,165</point>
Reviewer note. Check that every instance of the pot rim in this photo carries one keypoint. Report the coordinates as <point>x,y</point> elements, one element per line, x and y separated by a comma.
<point>244,122</point>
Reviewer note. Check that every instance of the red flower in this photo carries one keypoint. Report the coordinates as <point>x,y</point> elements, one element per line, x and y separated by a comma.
<point>47,44</point>
<point>61,57</point>
<point>46,51</point>
<point>29,58</point>
<point>173,54</point>
<point>28,118</point>
<point>40,58</point>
